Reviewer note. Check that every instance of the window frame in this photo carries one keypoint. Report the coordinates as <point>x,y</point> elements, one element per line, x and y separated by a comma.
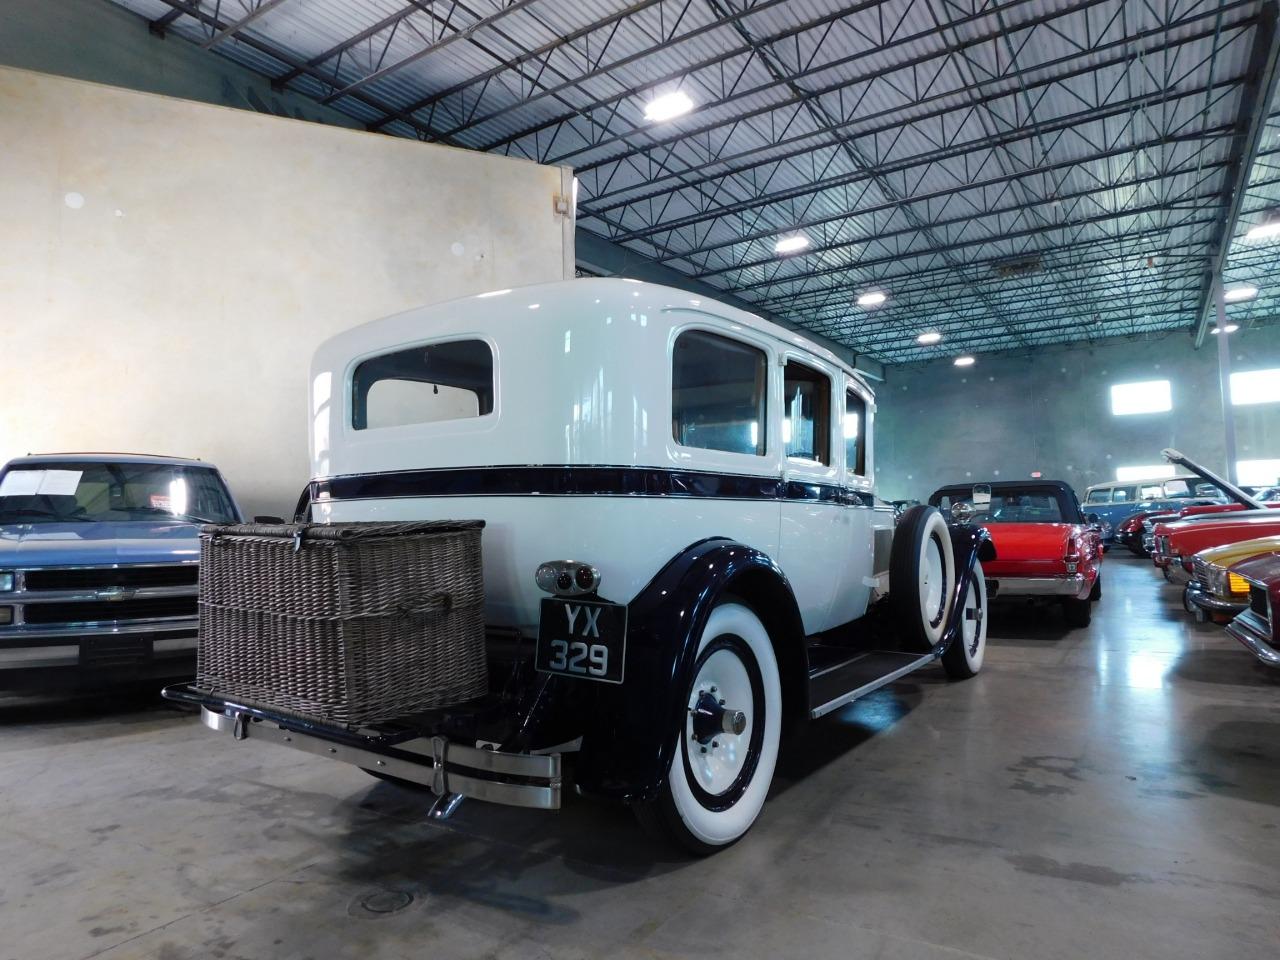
<point>851,386</point>
<point>769,442</point>
<point>483,422</point>
<point>831,466</point>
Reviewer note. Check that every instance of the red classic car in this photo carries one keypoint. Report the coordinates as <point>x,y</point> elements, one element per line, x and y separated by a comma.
<point>1045,549</point>
<point>1257,626</point>
<point>1175,543</point>
<point>1132,529</point>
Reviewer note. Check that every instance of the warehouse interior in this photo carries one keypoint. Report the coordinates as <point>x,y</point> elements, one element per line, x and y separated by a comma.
<point>1041,234</point>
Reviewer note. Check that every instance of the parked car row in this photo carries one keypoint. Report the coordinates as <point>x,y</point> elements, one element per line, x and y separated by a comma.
<point>1226,558</point>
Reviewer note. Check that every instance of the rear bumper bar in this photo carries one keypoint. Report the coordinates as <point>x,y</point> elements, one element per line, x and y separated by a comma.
<point>443,766</point>
<point>1068,585</point>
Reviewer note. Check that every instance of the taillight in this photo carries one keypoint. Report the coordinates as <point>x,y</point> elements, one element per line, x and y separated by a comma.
<point>1073,555</point>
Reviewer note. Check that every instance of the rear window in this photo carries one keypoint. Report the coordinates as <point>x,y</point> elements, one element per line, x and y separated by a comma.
<point>425,384</point>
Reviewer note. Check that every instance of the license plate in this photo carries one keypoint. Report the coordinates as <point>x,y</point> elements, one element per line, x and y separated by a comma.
<point>582,638</point>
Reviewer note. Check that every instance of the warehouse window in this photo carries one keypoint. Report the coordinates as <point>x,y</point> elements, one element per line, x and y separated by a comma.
<point>423,384</point>
<point>1154,471</point>
<point>718,389</point>
<point>1255,386</point>
<point>1148,396</point>
<point>1258,473</point>
<point>806,424</point>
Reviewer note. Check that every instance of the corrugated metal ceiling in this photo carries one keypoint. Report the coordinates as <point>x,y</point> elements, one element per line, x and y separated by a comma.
<point>1010,173</point>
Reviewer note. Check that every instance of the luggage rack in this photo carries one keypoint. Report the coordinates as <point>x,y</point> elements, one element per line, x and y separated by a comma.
<point>411,749</point>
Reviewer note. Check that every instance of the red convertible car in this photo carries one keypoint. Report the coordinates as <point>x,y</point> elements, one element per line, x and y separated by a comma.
<point>1045,548</point>
<point>1256,626</point>
<point>1175,543</point>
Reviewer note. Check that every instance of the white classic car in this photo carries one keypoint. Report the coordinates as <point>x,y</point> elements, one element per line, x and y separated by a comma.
<point>680,552</point>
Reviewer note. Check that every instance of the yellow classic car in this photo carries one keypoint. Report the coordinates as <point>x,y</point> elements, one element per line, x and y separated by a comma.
<point>1214,592</point>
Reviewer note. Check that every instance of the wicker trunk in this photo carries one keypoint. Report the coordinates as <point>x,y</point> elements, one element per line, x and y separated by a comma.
<point>345,623</point>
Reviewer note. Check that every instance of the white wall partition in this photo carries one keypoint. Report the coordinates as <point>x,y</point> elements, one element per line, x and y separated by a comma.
<point>167,267</point>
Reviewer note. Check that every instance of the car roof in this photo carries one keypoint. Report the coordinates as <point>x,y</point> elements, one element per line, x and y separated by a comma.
<point>1047,486</point>
<point>35,459</point>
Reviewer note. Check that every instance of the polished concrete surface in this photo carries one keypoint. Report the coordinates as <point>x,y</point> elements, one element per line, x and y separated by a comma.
<point>1111,792</point>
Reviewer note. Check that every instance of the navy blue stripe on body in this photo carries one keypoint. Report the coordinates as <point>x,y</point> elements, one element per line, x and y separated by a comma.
<point>576,481</point>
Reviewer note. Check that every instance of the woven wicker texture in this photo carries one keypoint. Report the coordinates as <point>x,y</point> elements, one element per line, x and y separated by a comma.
<point>346,623</point>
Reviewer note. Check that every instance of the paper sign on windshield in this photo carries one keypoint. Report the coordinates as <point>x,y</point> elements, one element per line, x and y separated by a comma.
<point>44,483</point>
<point>21,483</point>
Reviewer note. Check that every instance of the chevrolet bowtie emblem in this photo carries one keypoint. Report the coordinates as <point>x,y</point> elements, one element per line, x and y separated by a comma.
<point>115,593</point>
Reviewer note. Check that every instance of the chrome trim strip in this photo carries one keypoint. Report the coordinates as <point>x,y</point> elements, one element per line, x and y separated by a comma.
<point>109,628</point>
<point>1067,585</point>
<point>876,684</point>
<point>1245,628</point>
<point>454,756</point>
<point>94,595</point>
<point>21,658</point>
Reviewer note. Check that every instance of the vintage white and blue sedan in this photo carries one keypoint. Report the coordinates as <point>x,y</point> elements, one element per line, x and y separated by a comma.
<point>683,554</point>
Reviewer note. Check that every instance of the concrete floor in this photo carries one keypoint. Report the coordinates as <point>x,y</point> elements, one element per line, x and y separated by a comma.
<point>1111,792</point>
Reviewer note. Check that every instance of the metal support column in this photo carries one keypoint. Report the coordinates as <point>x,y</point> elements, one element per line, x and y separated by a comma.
<point>1224,381</point>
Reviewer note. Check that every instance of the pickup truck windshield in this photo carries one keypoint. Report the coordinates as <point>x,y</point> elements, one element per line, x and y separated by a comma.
<point>85,492</point>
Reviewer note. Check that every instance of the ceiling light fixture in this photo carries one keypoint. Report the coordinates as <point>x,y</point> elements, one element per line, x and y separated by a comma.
<point>872,298</point>
<point>1236,294</point>
<point>1230,328</point>
<point>791,244</point>
<point>667,107</point>
<point>964,361</point>
<point>931,337</point>
<point>1268,228</point>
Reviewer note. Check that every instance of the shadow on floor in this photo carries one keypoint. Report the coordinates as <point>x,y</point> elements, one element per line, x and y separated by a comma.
<point>1026,624</point>
<point>125,705</point>
<point>1232,667</point>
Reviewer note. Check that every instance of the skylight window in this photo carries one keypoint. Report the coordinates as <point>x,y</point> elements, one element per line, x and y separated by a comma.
<point>1255,386</point>
<point>1148,396</point>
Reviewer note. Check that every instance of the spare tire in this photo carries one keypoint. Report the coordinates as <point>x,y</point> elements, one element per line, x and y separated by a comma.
<point>922,576</point>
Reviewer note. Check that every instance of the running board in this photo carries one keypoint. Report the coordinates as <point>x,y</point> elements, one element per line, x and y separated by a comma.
<point>835,684</point>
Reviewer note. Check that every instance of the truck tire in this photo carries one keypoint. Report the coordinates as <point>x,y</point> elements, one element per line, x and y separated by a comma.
<point>922,576</point>
<point>1078,612</point>
<point>718,778</point>
<point>963,658</point>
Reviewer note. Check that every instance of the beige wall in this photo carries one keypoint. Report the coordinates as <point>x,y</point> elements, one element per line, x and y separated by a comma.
<point>167,267</point>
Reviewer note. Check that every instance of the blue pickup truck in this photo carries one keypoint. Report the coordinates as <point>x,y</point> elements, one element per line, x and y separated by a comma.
<point>99,561</point>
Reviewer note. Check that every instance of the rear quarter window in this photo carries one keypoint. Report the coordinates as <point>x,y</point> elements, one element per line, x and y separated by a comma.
<point>430,383</point>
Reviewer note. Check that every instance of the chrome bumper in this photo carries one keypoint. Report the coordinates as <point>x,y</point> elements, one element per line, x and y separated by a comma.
<point>447,769</point>
<point>1068,585</point>
<point>1250,630</point>
<point>1206,602</point>
<point>59,646</point>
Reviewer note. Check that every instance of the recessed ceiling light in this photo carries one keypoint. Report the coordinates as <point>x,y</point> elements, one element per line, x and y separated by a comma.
<point>534,306</point>
<point>791,244</point>
<point>1264,231</point>
<point>1230,328</point>
<point>933,336</point>
<point>1243,292</point>
<point>667,107</point>
<point>964,361</point>
<point>872,298</point>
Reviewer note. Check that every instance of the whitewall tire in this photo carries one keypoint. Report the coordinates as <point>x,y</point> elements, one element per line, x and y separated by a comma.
<point>727,749</point>
<point>922,576</point>
<point>964,657</point>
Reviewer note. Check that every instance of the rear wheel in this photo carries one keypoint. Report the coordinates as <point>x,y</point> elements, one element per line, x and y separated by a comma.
<point>963,657</point>
<point>1078,612</point>
<point>728,743</point>
<point>921,576</point>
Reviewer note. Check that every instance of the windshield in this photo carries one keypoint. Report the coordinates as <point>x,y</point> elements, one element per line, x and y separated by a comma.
<point>82,492</point>
<point>1013,506</point>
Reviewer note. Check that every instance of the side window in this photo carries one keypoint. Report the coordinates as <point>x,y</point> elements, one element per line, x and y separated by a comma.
<point>426,384</point>
<point>855,427</point>
<point>1122,495</point>
<point>718,391</point>
<point>1098,496</point>
<point>806,413</point>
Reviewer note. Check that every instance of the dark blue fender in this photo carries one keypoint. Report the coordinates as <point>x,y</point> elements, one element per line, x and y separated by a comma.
<point>632,728</point>
<point>968,544</point>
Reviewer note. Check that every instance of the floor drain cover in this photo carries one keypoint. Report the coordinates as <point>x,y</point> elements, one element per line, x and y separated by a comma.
<point>382,902</point>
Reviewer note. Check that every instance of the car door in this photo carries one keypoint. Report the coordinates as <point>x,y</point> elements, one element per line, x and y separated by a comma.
<point>810,545</point>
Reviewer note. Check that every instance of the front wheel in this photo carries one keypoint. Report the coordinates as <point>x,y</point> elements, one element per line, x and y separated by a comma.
<point>728,743</point>
<point>963,657</point>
